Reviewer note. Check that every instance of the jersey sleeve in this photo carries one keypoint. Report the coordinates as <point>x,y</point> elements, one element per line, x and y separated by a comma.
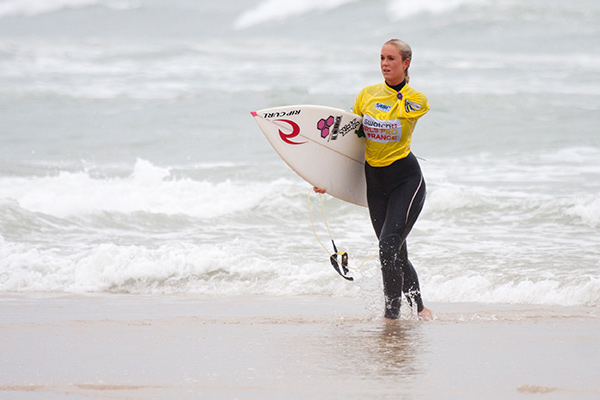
<point>415,106</point>
<point>357,108</point>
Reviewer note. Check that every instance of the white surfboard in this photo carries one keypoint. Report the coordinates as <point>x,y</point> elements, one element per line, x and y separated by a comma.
<point>321,145</point>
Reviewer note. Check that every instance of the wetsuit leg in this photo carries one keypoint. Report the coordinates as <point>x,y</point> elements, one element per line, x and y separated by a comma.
<point>396,195</point>
<point>392,274</point>
<point>411,288</point>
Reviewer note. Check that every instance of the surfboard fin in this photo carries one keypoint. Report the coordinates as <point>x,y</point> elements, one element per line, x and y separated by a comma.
<point>340,266</point>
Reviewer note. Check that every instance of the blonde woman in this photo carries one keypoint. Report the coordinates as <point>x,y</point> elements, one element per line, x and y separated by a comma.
<point>395,184</point>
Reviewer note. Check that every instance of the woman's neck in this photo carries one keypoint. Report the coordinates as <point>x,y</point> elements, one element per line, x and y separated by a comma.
<point>397,87</point>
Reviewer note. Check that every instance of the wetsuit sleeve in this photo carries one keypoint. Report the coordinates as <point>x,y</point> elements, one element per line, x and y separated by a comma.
<point>415,106</point>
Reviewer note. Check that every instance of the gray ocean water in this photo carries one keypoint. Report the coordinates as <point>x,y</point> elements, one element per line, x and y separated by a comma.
<point>129,161</point>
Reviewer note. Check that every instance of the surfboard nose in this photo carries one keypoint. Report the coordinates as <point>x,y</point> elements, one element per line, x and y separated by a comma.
<point>254,114</point>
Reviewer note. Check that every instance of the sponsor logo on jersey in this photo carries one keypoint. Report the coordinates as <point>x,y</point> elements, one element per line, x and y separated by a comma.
<point>411,106</point>
<point>382,131</point>
<point>383,107</point>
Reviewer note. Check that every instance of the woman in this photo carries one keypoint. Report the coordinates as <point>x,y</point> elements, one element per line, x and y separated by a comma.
<point>395,185</point>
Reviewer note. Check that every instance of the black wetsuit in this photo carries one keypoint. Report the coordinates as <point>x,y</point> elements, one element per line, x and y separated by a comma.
<point>395,195</point>
<point>395,185</point>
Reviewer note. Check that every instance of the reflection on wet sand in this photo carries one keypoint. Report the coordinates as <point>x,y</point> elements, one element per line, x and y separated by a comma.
<point>380,350</point>
<point>398,346</point>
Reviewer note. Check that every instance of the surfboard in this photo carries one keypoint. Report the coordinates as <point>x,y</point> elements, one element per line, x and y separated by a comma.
<point>321,145</point>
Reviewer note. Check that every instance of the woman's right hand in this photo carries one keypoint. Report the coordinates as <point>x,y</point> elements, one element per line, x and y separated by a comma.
<point>319,190</point>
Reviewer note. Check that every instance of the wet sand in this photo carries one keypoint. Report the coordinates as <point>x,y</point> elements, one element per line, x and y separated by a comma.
<point>185,347</point>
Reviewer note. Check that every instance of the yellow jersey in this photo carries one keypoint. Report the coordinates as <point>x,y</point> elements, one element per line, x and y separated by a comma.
<point>389,118</point>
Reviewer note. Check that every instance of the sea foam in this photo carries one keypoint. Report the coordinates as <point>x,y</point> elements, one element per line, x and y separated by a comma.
<point>11,8</point>
<point>278,10</point>
<point>401,9</point>
<point>149,188</point>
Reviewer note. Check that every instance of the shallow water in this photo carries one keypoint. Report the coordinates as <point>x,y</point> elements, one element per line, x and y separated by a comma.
<point>129,162</point>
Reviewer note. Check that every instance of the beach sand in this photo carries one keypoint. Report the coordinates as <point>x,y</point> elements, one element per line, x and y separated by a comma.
<point>184,347</point>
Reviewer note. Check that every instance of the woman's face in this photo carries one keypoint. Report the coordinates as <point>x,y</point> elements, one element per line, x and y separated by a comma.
<point>392,65</point>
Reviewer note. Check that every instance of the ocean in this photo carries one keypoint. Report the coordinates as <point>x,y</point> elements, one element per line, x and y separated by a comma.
<point>130,163</point>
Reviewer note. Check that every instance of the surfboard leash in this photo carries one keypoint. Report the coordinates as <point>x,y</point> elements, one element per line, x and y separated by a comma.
<point>341,266</point>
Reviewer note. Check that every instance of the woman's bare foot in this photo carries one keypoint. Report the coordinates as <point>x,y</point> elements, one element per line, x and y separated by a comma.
<point>426,314</point>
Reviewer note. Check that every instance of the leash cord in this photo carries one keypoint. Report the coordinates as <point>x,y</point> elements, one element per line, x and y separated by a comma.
<point>331,256</point>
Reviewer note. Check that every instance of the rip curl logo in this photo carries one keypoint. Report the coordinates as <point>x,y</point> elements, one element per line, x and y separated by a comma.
<point>325,124</point>
<point>287,136</point>
<point>411,106</point>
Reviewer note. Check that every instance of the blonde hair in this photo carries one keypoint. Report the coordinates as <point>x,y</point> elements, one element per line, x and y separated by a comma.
<point>404,50</point>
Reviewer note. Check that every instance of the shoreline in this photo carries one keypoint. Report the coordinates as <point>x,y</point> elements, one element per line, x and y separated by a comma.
<point>249,347</point>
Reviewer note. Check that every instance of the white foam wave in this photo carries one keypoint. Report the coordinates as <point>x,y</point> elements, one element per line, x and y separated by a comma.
<point>270,10</point>
<point>11,8</point>
<point>581,290</point>
<point>402,9</point>
<point>241,267</point>
<point>169,268</point>
<point>587,209</point>
<point>573,211</point>
<point>538,187</point>
<point>149,189</point>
